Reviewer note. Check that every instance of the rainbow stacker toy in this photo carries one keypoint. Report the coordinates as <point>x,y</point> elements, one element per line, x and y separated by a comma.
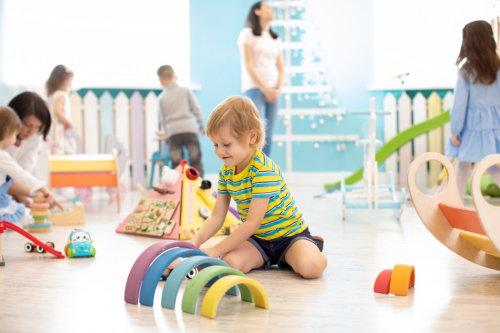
<point>473,234</point>
<point>40,212</point>
<point>214,273</point>
<point>176,210</point>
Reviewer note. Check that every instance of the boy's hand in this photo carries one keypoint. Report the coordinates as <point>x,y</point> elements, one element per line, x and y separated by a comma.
<point>212,252</point>
<point>193,242</point>
<point>160,135</point>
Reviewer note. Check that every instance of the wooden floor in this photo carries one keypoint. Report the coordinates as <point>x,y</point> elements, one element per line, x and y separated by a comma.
<point>42,294</point>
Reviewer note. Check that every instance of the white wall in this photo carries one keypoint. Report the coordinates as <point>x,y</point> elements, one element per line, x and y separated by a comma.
<point>423,38</point>
<point>109,43</point>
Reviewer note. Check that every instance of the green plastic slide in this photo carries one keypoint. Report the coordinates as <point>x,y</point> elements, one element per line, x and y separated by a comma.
<point>488,186</point>
<point>395,143</point>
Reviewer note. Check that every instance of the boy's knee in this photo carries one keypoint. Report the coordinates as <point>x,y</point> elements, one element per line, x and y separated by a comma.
<point>236,263</point>
<point>313,268</point>
<point>232,261</point>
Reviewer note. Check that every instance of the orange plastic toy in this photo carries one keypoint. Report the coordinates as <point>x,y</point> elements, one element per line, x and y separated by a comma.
<point>395,281</point>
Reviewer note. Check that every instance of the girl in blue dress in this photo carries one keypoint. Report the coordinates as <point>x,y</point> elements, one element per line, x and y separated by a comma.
<point>475,115</point>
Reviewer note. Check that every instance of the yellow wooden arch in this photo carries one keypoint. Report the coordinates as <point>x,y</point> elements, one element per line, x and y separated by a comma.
<point>219,288</point>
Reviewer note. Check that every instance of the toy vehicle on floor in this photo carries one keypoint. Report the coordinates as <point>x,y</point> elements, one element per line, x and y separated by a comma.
<point>30,247</point>
<point>79,244</point>
<point>192,273</point>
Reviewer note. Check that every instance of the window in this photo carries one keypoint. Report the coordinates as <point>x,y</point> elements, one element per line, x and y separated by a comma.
<point>108,43</point>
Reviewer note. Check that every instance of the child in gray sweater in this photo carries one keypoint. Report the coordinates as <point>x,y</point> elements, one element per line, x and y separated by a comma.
<point>178,109</point>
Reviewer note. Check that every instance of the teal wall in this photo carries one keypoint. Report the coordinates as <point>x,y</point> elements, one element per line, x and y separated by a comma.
<point>215,65</point>
<point>215,60</point>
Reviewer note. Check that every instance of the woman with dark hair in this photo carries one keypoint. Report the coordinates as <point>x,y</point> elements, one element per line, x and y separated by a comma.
<point>36,121</point>
<point>262,70</point>
<point>35,125</point>
<point>475,115</point>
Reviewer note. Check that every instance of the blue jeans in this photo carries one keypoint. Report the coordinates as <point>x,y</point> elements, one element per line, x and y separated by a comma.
<point>268,112</point>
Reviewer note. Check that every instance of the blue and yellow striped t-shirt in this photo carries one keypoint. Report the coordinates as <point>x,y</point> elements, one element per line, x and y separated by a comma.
<point>261,179</point>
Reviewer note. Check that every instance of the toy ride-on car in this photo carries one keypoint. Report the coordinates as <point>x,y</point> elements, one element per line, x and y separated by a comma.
<point>79,244</point>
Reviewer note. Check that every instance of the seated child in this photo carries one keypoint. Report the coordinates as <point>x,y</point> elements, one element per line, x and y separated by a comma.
<point>22,183</point>
<point>11,210</point>
<point>273,229</point>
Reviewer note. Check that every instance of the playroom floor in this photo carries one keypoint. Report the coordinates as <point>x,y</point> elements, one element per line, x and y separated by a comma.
<point>41,294</point>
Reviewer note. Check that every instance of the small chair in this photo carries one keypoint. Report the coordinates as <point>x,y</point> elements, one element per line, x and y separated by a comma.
<point>161,158</point>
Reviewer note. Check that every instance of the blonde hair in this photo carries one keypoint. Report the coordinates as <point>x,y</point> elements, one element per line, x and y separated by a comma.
<point>165,72</point>
<point>241,115</point>
<point>9,122</point>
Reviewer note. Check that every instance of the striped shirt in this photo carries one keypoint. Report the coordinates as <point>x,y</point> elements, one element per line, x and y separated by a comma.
<point>262,179</point>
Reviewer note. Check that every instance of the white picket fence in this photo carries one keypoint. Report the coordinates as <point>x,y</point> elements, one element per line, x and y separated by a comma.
<point>406,112</point>
<point>133,120</point>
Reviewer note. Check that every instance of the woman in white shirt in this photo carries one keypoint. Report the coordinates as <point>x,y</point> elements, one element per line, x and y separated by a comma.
<point>36,120</point>
<point>262,71</point>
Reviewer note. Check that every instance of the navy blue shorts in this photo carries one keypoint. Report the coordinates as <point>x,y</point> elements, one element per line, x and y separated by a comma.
<point>273,251</point>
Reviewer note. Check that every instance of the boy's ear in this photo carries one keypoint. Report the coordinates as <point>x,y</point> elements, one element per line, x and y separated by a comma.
<point>253,137</point>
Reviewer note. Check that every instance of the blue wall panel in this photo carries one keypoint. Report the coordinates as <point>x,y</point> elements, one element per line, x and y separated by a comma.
<point>215,65</point>
<point>215,60</point>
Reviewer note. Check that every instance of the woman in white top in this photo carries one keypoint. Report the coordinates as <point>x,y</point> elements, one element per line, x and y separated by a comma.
<point>36,120</point>
<point>262,71</point>
<point>35,125</point>
<point>24,184</point>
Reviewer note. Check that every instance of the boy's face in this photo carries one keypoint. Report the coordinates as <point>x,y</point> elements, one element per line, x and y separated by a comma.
<point>233,152</point>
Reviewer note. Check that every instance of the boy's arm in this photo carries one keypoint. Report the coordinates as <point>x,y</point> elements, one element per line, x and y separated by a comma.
<point>256,212</point>
<point>161,118</point>
<point>214,222</point>
<point>195,109</point>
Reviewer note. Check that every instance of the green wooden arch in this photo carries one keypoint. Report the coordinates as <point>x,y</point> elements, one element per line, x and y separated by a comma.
<point>207,274</point>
